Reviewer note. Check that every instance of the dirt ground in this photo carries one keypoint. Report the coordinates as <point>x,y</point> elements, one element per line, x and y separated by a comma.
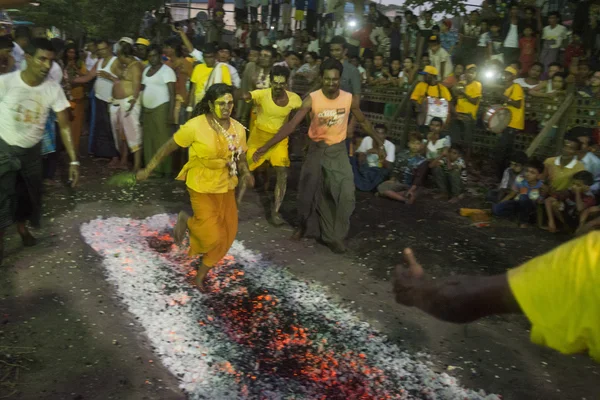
<point>64,327</point>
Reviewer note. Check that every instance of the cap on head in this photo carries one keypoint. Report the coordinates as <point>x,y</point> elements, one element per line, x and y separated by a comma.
<point>142,41</point>
<point>511,70</point>
<point>429,70</point>
<point>126,40</point>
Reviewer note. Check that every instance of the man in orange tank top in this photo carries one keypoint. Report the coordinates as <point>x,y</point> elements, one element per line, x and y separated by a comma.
<point>326,189</point>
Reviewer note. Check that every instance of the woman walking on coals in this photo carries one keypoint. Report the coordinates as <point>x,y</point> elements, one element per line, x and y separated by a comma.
<point>217,154</point>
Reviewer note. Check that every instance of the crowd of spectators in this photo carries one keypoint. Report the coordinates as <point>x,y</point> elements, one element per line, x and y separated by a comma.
<point>444,65</point>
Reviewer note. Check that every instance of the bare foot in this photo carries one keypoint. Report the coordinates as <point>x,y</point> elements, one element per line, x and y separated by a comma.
<point>298,234</point>
<point>276,218</point>
<point>113,162</point>
<point>200,279</point>
<point>454,200</point>
<point>337,247</point>
<point>523,226</point>
<point>180,227</point>
<point>27,238</point>
<point>552,229</point>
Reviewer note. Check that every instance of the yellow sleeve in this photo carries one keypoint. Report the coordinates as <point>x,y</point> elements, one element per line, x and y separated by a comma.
<point>446,93</point>
<point>242,133</point>
<point>418,93</point>
<point>558,292</point>
<point>295,101</point>
<point>186,135</point>
<point>257,95</point>
<point>226,75</point>
<point>474,91</point>
<point>515,92</point>
<point>195,73</point>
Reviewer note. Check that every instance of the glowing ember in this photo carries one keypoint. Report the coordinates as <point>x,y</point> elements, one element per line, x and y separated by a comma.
<point>257,332</point>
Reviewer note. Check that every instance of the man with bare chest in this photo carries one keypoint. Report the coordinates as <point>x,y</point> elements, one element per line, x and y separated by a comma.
<point>125,109</point>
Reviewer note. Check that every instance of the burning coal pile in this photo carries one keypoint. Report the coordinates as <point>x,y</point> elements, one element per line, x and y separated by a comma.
<point>256,332</point>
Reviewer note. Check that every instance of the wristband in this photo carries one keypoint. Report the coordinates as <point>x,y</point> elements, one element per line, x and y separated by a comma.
<point>75,163</point>
<point>189,109</point>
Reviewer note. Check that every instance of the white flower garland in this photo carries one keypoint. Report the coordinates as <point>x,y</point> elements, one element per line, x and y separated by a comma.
<point>232,144</point>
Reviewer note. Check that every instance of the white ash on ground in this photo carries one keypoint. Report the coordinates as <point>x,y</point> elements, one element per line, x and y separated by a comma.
<point>257,332</point>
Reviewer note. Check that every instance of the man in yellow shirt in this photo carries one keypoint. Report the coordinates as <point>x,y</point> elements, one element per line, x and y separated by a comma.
<point>514,98</point>
<point>273,107</point>
<point>202,73</point>
<point>468,95</point>
<point>557,292</point>
<point>426,89</point>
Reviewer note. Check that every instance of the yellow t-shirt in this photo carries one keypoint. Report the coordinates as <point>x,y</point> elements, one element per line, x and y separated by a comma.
<point>271,117</point>
<point>423,90</point>
<point>463,105</point>
<point>517,120</point>
<point>561,177</point>
<point>558,292</point>
<point>207,170</point>
<point>201,74</point>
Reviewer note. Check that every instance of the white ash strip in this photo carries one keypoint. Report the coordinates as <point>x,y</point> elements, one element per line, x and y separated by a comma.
<point>154,288</point>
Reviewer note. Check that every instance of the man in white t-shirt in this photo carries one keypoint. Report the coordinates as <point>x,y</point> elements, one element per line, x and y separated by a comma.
<point>26,98</point>
<point>439,58</point>
<point>373,164</point>
<point>553,36</point>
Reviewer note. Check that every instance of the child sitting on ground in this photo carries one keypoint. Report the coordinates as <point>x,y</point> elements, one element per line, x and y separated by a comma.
<point>451,174</point>
<point>525,195</point>
<point>570,211</point>
<point>408,174</point>
<point>511,176</point>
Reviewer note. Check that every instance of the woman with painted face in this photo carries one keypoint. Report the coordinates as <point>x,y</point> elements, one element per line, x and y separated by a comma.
<point>217,155</point>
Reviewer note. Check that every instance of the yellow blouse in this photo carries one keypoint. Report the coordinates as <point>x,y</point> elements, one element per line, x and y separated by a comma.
<point>207,170</point>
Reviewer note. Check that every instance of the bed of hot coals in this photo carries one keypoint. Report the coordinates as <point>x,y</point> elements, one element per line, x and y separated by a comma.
<point>255,332</point>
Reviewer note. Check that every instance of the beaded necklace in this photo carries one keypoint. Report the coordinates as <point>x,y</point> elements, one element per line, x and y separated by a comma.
<point>232,142</point>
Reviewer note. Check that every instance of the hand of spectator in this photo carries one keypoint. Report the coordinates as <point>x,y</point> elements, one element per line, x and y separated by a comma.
<point>408,281</point>
<point>106,75</point>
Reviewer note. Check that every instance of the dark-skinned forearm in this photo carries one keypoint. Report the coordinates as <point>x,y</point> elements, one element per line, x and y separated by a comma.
<point>165,150</point>
<point>466,299</point>
<point>243,165</point>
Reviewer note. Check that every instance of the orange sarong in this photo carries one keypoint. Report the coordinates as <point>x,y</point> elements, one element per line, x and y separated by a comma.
<point>213,226</point>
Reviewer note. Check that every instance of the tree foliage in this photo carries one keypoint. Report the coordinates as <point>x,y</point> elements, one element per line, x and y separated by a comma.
<point>447,7</point>
<point>95,18</point>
